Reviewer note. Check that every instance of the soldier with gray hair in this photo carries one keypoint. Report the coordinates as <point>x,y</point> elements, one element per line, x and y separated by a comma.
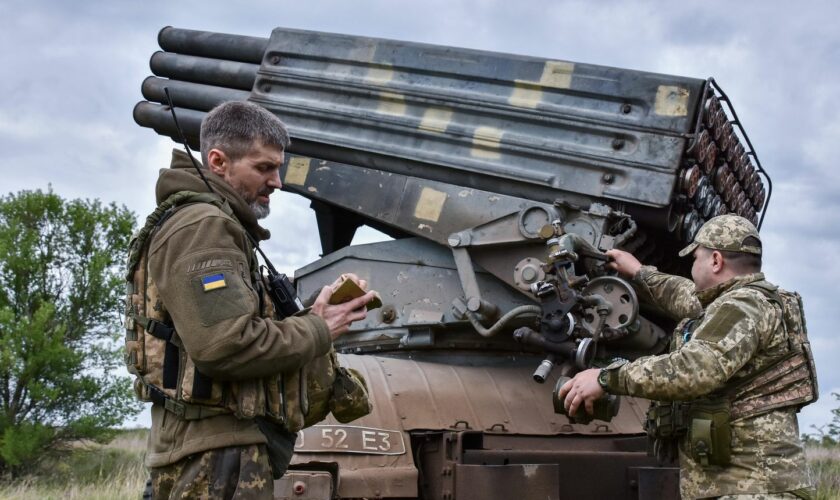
<point>229,379</point>
<point>727,394</point>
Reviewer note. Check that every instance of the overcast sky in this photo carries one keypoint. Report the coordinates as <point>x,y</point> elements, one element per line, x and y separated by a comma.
<point>71,74</point>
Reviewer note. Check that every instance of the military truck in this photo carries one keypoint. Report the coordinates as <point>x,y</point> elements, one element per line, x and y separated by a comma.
<point>502,180</point>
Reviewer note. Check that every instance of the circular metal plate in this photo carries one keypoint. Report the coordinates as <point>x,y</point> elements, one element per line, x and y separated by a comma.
<point>622,297</point>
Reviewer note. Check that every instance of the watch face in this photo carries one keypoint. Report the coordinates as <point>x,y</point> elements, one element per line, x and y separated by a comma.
<point>602,378</point>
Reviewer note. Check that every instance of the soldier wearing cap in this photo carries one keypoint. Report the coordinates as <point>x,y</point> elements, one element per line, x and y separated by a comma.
<point>728,331</point>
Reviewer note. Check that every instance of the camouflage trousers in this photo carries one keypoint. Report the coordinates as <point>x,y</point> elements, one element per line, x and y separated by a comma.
<point>787,495</point>
<point>237,472</point>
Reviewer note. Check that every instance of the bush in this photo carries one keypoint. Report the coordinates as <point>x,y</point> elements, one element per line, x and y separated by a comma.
<point>61,290</point>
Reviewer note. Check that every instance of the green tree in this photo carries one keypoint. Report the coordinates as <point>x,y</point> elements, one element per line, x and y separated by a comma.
<point>61,292</point>
<point>827,434</point>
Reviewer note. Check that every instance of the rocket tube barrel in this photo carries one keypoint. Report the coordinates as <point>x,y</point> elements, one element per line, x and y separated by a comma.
<point>247,49</point>
<point>220,73</point>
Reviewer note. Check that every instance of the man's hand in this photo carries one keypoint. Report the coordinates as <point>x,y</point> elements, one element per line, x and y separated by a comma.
<point>583,388</point>
<point>340,316</point>
<point>624,262</point>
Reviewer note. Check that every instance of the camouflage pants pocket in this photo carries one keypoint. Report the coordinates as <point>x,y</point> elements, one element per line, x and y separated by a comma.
<point>237,472</point>
<point>764,496</point>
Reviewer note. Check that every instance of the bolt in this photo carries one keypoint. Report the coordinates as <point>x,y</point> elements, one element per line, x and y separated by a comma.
<point>624,109</point>
<point>617,143</point>
<point>454,240</point>
<point>299,488</point>
<point>388,314</point>
<point>474,304</point>
<point>276,60</point>
<point>608,178</point>
<point>529,274</point>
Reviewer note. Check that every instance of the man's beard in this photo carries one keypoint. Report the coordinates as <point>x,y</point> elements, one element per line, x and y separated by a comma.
<point>260,211</point>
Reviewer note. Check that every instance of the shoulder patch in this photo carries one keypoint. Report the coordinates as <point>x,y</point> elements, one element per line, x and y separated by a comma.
<point>213,282</point>
<point>719,324</point>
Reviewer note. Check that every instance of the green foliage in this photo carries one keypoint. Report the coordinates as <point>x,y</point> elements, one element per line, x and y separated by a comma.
<point>60,295</point>
<point>828,434</point>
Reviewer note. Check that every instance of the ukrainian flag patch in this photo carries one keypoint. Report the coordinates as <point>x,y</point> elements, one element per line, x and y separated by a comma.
<point>213,282</point>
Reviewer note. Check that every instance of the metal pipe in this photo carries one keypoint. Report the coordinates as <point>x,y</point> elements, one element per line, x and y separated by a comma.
<point>230,74</point>
<point>247,49</point>
<point>528,336</point>
<point>497,327</point>
<point>157,117</point>
<point>190,95</point>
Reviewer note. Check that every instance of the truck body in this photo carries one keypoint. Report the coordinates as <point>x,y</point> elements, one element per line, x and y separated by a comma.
<point>502,180</point>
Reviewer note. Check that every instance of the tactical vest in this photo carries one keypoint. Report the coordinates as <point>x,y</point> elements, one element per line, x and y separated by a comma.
<point>790,381</point>
<point>165,374</point>
<point>704,424</point>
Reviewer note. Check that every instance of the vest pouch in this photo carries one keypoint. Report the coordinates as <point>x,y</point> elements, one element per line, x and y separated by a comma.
<point>134,334</point>
<point>666,420</point>
<point>294,399</point>
<point>709,439</point>
<point>350,396</point>
<point>248,398</point>
<point>197,388</point>
<point>320,377</point>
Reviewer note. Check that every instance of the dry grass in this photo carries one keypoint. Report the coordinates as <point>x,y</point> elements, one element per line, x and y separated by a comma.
<point>824,463</point>
<point>115,471</point>
<point>98,472</point>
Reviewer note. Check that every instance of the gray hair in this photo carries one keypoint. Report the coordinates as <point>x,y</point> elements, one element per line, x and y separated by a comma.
<point>234,126</point>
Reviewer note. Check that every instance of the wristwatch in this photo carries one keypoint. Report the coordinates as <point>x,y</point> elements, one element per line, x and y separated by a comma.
<point>602,379</point>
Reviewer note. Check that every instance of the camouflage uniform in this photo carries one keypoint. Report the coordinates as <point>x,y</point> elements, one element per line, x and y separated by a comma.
<point>238,472</point>
<point>727,333</point>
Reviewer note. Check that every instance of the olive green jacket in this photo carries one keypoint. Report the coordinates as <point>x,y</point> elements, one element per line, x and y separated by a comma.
<point>223,332</point>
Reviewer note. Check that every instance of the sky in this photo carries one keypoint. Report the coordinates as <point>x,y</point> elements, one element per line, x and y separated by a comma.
<point>71,75</point>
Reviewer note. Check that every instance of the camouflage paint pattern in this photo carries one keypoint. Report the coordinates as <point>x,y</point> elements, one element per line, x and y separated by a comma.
<point>738,335</point>
<point>237,472</point>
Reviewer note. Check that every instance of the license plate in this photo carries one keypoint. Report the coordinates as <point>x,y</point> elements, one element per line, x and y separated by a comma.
<point>349,439</point>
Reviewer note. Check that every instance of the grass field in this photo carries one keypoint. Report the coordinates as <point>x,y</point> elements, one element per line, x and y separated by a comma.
<point>825,471</point>
<point>115,471</point>
<point>110,472</point>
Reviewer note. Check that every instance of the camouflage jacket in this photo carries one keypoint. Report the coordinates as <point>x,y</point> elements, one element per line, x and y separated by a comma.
<point>226,336</point>
<point>726,334</point>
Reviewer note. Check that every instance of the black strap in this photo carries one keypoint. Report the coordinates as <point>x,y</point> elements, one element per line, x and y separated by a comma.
<point>184,411</point>
<point>159,329</point>
<point>171,363</point>
<point>171,356</point>
<point>202,385</point>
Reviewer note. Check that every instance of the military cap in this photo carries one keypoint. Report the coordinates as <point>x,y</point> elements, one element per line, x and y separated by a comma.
<point>725,232</point>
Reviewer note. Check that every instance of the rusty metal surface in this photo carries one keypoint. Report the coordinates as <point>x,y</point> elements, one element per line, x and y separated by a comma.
<point>466,393</point>
<point>470,391</point>
<point>304,485</point>
<point>465,464</point>
<point>522,482</point>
